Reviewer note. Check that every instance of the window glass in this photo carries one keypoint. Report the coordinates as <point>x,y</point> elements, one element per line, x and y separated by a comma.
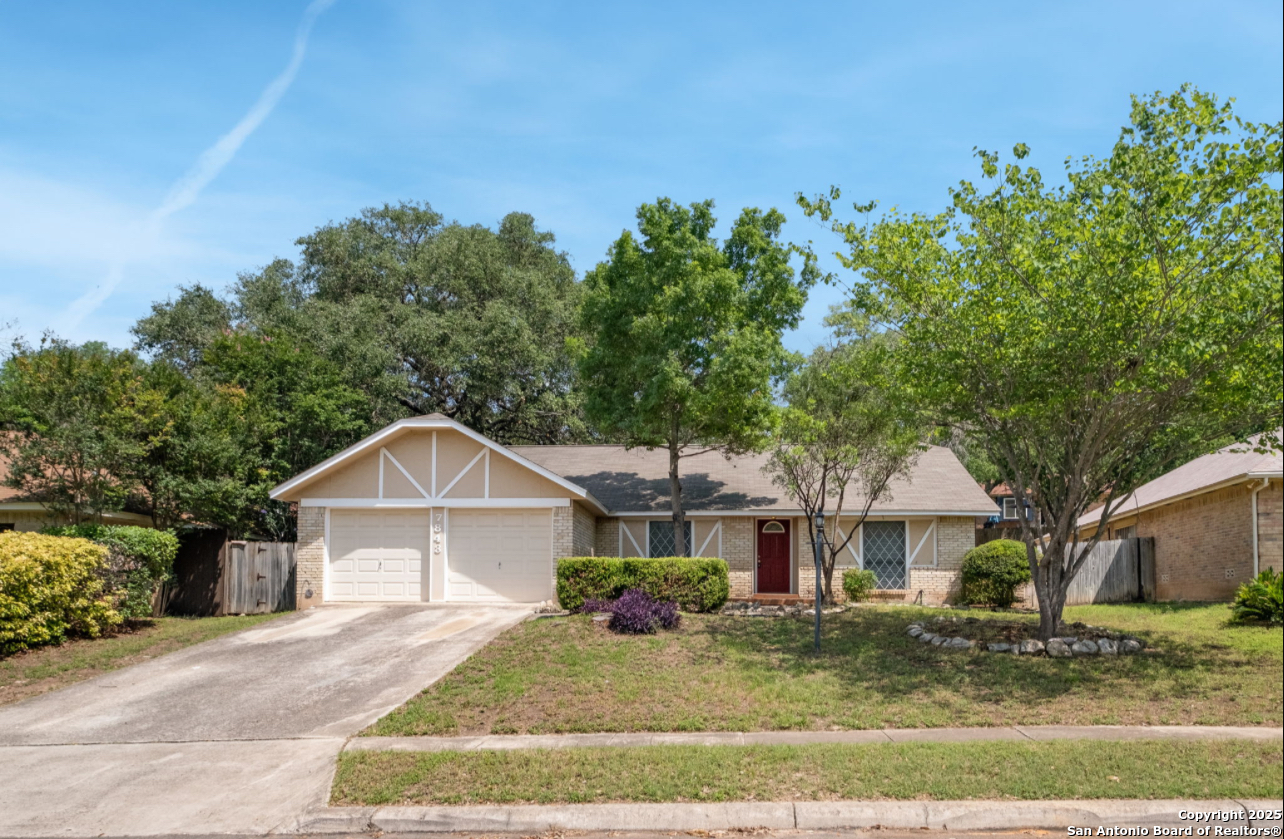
<point>659,538</point>
<point>1009,508</point>
<point>884,553</point>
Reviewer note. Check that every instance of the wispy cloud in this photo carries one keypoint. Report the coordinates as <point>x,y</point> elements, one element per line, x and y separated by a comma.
<point>188,188</point>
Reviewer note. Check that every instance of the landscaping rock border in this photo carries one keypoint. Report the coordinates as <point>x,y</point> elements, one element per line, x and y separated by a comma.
<point>1063,647</point>
<point>749,609</point>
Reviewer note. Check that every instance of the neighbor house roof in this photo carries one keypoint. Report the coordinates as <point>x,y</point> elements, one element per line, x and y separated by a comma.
<point>1233,464</point>
<point>637,481</point>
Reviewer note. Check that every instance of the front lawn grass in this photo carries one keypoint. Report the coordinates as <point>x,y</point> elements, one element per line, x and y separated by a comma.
<point>908,771</point>
<point>722,673</point>
<point>37,671</point>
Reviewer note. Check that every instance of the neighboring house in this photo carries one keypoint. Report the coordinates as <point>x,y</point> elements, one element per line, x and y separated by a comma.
<point>428,509</point>
<point>1007,523</point>
<point>1216,522</point>
<point>20,513</point>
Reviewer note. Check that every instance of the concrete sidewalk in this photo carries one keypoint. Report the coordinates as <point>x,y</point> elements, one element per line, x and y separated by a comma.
<point>786,815</point>
<point>1036,733</point>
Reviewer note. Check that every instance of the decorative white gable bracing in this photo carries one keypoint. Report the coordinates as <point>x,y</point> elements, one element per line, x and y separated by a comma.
<point>431,493</point>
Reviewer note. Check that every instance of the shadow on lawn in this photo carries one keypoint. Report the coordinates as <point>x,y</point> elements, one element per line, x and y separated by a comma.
<point>868,650</point>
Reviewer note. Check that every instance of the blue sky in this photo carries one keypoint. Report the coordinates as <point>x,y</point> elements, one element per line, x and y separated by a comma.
<point>575,113</point>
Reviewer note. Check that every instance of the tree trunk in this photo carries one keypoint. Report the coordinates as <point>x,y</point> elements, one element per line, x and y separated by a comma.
<point>827,575</point>
<point>675,496</point>
<point>1050,584</point>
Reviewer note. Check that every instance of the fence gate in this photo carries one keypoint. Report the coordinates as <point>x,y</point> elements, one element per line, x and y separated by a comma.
<point>259,578</point>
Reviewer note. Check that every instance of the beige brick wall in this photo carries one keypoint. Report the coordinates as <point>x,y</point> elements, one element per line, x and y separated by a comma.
<point>1270,527</point>
<point>309,557</point>
<point>939,583</point>
<point>563,532</point>
<point>607,537</point>
<point>584,531</point>
<point>955,536</point>
<point>738,550</point>
<point>1203,545</point>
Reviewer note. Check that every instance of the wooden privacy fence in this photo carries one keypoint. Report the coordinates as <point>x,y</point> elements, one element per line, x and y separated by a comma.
<point>1117,571</point>
<point>213,576</point>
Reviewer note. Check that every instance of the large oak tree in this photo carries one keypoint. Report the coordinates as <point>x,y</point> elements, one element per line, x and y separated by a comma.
<point>420,314</point>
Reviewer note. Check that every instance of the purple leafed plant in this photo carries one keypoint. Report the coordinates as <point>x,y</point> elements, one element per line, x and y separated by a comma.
<point>595,605</point>
<point>636,612</point>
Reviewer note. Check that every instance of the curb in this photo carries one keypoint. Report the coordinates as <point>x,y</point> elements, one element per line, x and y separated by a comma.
<point>1036,733</point>
<point>786,815</point>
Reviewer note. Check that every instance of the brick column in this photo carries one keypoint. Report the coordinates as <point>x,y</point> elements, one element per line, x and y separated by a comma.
<point>738,551</point>
<point>309,557</point>
<point>563,532</point>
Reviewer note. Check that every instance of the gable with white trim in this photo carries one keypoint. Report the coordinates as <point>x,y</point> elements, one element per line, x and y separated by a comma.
<point>428,464</point>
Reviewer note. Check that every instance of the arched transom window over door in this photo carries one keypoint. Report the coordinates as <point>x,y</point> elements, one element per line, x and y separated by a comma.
<point>773,527</point>
<point>884,553</point>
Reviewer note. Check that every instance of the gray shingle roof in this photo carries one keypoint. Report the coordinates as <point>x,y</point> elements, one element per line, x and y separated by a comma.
<point>637,480</point>
<point>1220,467</point>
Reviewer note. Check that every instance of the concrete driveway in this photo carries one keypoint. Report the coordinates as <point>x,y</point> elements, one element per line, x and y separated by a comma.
<point>238,734</point>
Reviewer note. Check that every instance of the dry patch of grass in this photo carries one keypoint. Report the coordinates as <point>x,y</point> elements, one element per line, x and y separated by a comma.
<point>907,771</point>
<point>721,673</point>
<point>41,670</point>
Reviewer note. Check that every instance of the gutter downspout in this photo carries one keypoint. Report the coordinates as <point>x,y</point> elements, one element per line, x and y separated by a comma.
<point>1256,560</point>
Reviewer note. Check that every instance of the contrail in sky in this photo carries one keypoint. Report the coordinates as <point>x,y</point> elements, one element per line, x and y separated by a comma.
<point>207,167</point>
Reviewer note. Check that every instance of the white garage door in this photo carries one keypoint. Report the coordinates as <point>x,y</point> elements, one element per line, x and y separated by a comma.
<point>500,555</point>
<point>377,555</point>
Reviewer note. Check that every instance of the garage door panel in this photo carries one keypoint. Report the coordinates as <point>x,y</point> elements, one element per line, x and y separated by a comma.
<point>500,555</point>
<point>377,555</point>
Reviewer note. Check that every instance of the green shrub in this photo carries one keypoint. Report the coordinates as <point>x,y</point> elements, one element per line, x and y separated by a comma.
<point>697,584</point>
<point>139,560</point>
<point>993,571</point>
<point>50,588</point>
<point>1260,599</point>
<point>858,583</point>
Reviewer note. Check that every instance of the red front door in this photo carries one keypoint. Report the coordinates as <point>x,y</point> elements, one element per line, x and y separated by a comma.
<point>773,557</point>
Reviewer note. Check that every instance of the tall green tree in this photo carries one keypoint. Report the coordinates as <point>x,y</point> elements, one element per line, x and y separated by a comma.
<point>191,461</point>
<point>420,314</point>
<point>178,331</point>
<point>90,430</point>
<point>67,416</point>
<point>441,317</point>
<point>847,432</point>
<point>684,334</point>
<point>293,409</point>
<point>1091,335</point>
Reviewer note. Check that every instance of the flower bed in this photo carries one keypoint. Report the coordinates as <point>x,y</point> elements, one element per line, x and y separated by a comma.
<point>1077,640</point>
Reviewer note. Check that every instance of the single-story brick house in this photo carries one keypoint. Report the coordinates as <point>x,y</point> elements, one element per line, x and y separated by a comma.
<point>428,509</point>
<point>1216,522</point>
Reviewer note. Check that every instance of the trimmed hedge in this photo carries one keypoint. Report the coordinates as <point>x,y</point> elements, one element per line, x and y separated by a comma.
<point>696,584</point>
<point>993,571</point>
<point>139,560</point>
<point>50,588</point>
